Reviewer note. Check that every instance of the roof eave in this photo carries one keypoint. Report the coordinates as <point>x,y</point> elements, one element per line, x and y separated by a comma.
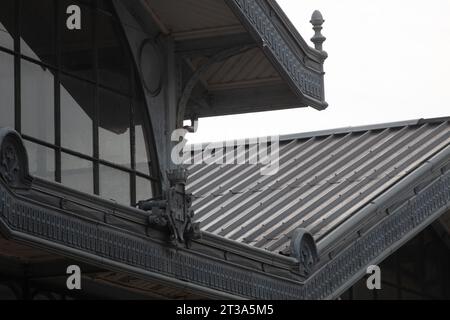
<point>299,65</point>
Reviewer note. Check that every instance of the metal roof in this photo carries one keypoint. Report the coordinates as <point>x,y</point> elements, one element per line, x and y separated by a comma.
<point>248,68</point>
<point>323,179</point>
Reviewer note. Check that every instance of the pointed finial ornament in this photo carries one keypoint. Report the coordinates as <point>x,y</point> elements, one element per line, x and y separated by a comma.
<point>317,22</point>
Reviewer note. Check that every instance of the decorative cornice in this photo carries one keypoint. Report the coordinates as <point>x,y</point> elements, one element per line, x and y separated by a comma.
<point>18,216</point>
<point>57,227</point>
<point>412,215</point>
<point>308,82</point>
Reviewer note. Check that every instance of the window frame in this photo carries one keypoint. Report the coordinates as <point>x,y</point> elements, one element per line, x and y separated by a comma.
<point>58,70</point>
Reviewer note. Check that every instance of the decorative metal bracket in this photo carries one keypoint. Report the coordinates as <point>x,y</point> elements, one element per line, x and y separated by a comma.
<point>194,79</point>
<point>13,160</point>
<point>303,248</point>
<point>174,211</point>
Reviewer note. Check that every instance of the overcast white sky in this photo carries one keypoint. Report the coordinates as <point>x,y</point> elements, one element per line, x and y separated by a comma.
<point>389,60</point>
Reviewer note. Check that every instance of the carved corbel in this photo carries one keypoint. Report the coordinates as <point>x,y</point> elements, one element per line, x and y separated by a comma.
<point>174,212</point>
<point>195,78</point>
<point>14,160</point>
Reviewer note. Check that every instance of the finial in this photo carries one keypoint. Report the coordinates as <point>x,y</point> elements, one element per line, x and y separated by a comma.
<point>317,22</point>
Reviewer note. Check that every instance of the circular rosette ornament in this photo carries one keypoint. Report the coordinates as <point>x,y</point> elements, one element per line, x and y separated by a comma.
<point>303,248</point>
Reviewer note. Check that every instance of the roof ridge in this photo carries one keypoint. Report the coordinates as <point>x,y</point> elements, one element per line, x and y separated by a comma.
<point>339,130</point>
<point>376,126</point>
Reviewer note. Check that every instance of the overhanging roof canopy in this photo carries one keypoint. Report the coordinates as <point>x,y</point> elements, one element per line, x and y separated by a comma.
<point>239,56</point>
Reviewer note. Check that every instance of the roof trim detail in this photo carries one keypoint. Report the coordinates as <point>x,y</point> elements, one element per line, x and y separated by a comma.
<point>260,18</point>
<point>335,131</point>
<point>106,245</point>
<point>389,235</point>
<point>379,126</point>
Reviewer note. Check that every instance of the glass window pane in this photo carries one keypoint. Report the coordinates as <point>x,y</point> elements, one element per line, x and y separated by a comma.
<point>77,111</point>
<point>143,189</point>
<point>141,138</point>
<point>142,160</point>
<point>38,30</point>
<point>77,53</point>
<point>114,128</point>
<point>37,92</point>
<point>6,90</point>
<point>77,173</point>
<point>113,60</point>
<point>7,23</point>
<point>115,185</point>
<point>41,161</point>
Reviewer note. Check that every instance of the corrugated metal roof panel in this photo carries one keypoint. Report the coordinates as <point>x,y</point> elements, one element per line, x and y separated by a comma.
<point>249,67</point>
<point>322,181</point>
